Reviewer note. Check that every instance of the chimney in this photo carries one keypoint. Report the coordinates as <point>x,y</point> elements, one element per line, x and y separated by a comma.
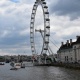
<point>77,37</point>
<point>62,43</point>
<point>67,42</point>
<point>70,41</point>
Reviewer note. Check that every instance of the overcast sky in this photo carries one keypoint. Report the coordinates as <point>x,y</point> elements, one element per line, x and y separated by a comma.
<point>15,18</point>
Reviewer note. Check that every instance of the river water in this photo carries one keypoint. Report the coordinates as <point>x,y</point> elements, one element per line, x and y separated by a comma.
<point>38,73</point>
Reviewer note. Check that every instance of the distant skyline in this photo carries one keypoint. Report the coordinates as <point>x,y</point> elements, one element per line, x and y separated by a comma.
<point>15,18</point>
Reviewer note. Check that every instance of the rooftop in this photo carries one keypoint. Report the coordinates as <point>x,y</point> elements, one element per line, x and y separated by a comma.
<point>69,45</point>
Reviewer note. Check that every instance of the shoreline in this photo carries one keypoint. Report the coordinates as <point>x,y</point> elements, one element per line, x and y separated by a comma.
<point>65,65</point>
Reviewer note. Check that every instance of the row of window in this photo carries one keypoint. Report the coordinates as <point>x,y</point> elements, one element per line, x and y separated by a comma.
<point>67,58</point>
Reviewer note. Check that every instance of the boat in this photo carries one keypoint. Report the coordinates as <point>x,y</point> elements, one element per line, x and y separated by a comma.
<point>1,63</point>
<point>13,69</point>
<point>15,65</point>
<point>12,63</point>
<point>22,65</point>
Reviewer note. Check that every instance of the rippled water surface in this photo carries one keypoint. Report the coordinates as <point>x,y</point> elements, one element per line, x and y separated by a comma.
<point>38,73</point>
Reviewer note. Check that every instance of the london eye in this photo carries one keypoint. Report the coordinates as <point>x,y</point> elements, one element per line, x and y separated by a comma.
<point>45,32</point>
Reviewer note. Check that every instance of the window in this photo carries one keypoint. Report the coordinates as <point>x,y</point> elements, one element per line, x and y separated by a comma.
<point>67,58</point>
<point>71,58</point>
<point>74,47</point>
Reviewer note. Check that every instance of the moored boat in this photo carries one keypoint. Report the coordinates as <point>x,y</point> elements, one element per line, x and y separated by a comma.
<point>13,69</point>
<point>22,65</point>
<point>15,65</point>
<point>1,63</point>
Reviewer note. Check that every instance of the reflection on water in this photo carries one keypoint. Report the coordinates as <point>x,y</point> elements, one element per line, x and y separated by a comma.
<point>38,73</point>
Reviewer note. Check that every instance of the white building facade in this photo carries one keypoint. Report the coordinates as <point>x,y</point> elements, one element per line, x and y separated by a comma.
<point>69,52</point>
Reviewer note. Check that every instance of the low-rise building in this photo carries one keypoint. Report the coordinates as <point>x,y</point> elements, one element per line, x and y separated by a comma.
<point>69,52</point>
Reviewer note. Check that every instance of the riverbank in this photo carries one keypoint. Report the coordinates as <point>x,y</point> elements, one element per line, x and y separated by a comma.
<point>66,65</point>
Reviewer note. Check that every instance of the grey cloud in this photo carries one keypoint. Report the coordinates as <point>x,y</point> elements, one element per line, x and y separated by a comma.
<point>70,8</point>
<point>13,40</point>
<point>14,26</point>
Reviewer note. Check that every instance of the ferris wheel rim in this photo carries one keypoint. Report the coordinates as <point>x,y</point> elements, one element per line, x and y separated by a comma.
<point>46,26</point>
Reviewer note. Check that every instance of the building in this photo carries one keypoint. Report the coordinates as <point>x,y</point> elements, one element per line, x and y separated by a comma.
<point>69,52</point>
<point>2,58</point>
<point>7,58</point>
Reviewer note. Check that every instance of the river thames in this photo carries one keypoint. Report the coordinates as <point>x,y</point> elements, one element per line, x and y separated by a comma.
<point>38,73</point>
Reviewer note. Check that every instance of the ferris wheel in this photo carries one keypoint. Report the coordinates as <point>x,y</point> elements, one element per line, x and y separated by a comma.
<point>45,33</point>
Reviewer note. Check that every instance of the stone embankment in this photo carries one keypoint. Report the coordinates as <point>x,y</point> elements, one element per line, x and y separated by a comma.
<point>66,65</point>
